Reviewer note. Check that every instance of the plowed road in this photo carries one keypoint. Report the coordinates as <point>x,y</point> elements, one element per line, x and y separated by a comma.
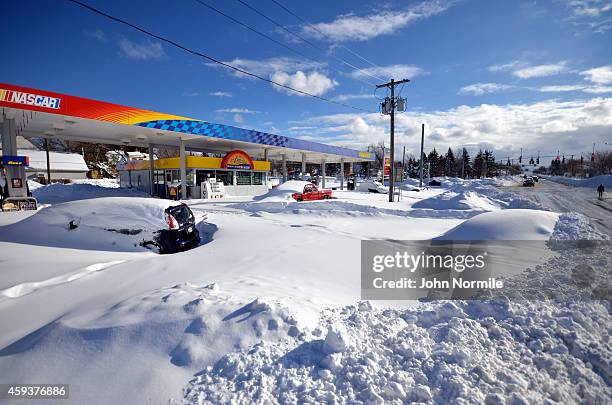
<point>561,198</point>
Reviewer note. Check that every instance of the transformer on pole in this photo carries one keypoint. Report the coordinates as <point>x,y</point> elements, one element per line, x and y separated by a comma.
<point>388,107</point>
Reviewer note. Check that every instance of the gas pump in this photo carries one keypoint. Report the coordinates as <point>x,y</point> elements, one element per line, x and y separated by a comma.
<point>16,195</point>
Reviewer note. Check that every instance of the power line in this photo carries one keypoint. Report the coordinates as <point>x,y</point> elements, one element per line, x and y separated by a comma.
<point>260,33</point>
<point>229,17</point>
<point>323,34</point>
<point>309,42</point>
<point>227,65</point>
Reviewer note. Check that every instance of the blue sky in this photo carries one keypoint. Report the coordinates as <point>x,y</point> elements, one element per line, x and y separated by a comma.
<point>498,74</point>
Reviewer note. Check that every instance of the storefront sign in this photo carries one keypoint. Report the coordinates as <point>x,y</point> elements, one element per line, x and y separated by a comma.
<point>37,100</point>
<point>237,159</point>
<point>15,161</point>
<point>19,204</point>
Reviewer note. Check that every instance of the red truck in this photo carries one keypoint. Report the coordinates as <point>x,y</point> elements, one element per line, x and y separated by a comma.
<point>311,193</point>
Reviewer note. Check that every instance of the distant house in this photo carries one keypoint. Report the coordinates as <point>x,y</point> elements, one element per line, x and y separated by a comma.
<point>64,166</point>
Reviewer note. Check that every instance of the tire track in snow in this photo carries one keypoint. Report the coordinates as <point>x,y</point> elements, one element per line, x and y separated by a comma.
<point>22,289</point>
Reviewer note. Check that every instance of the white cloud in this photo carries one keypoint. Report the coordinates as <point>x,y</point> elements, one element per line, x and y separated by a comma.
<point>387,72</point>
<point>144,51</point>
<point>97,34</point>
<point>534,126</point>
<point>478,89</point>
<point>524,70</point>
<point>504,67</point>
<point>592,14</point>
<point>267,67</point>
<point>238,119</point>
<point>540,70</point>
<point>347,97</point>
<point>314,82</point>
<point>220,94</point>
<point>350,27</point>
<point>598,89</point>
<point>561,88</point>
<point>600,75</point>
<point>577,87</point>
<point>237,110</point>
<point>300,74</point>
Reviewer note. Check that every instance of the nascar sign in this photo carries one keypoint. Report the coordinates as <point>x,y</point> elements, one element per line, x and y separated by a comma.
<point>19,97</point>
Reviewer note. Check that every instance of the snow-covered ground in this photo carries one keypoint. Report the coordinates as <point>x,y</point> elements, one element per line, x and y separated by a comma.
<point>591,182</point>
<point>267,309</point>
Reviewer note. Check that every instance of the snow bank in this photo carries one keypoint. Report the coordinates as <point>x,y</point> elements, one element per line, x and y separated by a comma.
<point>475,196</point>
<point>58,193</point>
<point>516,224</point>
<point>283,192</point>
<point>575,226</point>
<point>444,352</point>
<point>131,220</point>
<point>108,183</point>
<point>592,182</point>
<point>452,200</point>
<point>33,185</point>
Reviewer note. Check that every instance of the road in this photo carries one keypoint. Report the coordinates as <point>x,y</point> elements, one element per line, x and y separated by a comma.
<point>561,198</point>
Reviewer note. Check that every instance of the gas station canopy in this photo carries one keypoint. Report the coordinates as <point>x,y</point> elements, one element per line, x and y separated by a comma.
<point>40,113</point>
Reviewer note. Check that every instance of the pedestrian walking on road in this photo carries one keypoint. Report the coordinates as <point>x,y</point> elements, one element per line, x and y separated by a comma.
<point>600,191</point>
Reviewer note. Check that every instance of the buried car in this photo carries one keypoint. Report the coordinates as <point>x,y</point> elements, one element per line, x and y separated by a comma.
<point>127,224</point>
<point>372,186</point>
<point>311,193</point>
<point>181,234</point>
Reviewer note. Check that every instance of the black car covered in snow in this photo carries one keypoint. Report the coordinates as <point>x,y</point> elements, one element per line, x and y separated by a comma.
<point>181,234</point>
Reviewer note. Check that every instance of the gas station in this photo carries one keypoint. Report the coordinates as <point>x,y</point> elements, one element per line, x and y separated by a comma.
<point>243,170</point>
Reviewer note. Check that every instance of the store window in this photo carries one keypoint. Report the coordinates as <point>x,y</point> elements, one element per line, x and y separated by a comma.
<point>173,176</point>
<point>190,177</point>
<point>203,175</point>
<point>159,177</point>
<point>258,178</point>
<point>225,176</point>
<point>243,178</point>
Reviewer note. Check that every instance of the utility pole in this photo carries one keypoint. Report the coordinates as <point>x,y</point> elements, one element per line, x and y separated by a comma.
<point>421,158</point>
<point>403,170</point>
<point>393,104</point>
<point>48,163</point>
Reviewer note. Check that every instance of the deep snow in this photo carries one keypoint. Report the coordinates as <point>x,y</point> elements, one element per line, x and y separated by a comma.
<point>591,182</point>
<point>269,310</point>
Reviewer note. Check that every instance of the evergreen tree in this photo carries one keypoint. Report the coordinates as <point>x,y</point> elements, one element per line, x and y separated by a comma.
<point>478,166</point>
<point>436,163</point>
<point>491,166</point>
<point>432,159</point>
<point>450,168</point>
<point>465,164</point>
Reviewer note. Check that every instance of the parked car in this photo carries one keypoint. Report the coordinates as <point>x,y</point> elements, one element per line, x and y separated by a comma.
<point>535,178</point>
<point>372,186</point>
<point>528,182</point>
<point>181,234</point>
<point>311,192</point>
